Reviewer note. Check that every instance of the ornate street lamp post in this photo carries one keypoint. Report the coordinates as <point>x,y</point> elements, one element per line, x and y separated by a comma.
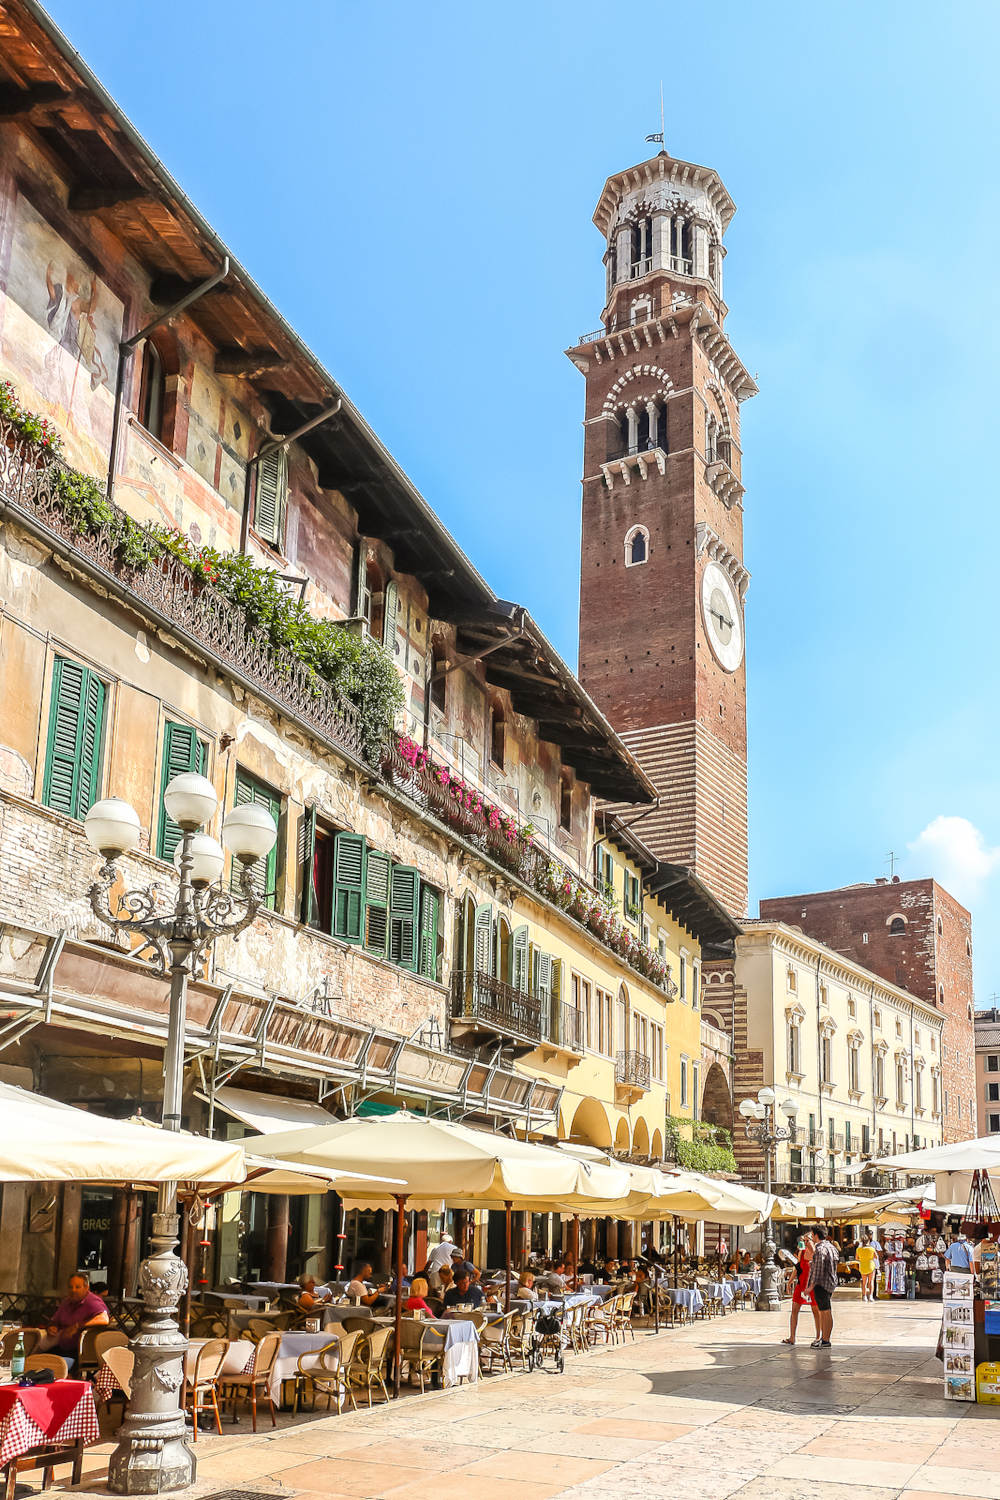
<point>767,1133</point>
<point>152,1455</point>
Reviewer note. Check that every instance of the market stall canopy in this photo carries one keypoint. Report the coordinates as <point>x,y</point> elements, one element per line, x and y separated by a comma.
<point>817,1206</point>
<point>982,1154</point>
<point>434,1160</point>
<point>888,1207</point>
<point>44,1141</point>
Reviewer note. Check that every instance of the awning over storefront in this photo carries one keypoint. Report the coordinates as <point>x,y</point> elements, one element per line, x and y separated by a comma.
<point>270,1112</point>
<point>44,1141</point>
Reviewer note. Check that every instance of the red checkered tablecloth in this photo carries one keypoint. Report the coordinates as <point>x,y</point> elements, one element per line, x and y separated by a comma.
<point>62,1412</point>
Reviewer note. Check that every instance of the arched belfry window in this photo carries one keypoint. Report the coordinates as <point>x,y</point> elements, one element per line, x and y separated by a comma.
<point>636,546</point>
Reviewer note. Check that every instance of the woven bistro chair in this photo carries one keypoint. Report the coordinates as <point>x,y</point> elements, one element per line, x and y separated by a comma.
<point>53,1362</point>
<point>8,1341</point>
<point>495,1343</point>
<point>422,1350</point>
<point>576,1328</point>
<point>326,1371</point>
<point>370,1368</point>
<point>522,1325</point>
<point>623,1316</point>
<point>257,1378</point>
<point>202,1385</point>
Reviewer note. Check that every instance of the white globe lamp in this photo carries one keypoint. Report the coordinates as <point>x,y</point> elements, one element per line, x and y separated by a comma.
<point>249,832</point>
<point>112,827</point>
<point>190,800</point>
<point>208,859</point>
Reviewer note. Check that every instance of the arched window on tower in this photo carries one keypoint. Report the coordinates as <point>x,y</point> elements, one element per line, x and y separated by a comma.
<point>642,246</point>
<point>636,546</point>
<point>711,438</point>
<point>897,927</point>
<point>618,435</point>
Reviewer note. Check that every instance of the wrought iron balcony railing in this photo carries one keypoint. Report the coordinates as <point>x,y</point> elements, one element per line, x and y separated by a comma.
<point>495,1005</point>
<point>567,1028</point>
<point>632,1070</point>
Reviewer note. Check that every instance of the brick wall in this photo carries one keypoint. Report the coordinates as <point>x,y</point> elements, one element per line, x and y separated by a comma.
<point>724,1004</point>
<point>931,958</point>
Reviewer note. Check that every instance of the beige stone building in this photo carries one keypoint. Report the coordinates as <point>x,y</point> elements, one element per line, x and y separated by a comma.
<point>266,598</point>
<point>861,1057</point>
<point>988,1071</point>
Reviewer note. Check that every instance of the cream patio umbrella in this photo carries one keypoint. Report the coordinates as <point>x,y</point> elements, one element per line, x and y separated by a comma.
<point>434,1160</point>
<point>818,1205</point>
<point>42,1140</point>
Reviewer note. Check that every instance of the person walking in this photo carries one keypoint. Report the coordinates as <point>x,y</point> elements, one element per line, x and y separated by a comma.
<point>822,1282</point>
<point>867,1259</point>
<point>801,1297</point>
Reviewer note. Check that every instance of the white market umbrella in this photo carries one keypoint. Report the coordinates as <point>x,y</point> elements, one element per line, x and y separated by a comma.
<point>42,1140</point>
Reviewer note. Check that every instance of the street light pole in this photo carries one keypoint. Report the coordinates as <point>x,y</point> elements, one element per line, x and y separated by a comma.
<point>768,1133</point>
<point>152,1455</point>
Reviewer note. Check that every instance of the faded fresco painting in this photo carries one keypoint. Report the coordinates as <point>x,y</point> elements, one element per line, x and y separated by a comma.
<point>49,287</point>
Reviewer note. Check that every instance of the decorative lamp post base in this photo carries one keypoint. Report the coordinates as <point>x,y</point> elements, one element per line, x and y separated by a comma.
<point>152,1456</point>
<point>768,1299</point>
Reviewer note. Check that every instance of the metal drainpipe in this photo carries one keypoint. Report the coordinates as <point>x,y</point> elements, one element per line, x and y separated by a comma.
<point>871,1060</point>
<point>271,447</point>
<point>913,1118</point>
<point>127,348</point>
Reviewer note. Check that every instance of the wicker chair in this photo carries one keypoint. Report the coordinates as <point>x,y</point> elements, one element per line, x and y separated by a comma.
<point>494,1343</point>
<point>574,1324</point>
<point>258,1378</point>
<point>370,1368</point>
<point>422,1350</point>
<point>522,1326</point>
<point>202,1384</point>
<point>53,1362</point>
<point>622,1316</point>
<point>8,1341</point>
<point>326,1371</point>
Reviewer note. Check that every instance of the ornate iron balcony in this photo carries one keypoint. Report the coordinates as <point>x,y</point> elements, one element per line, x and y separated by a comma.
<point>632,1070</point>
<point>495,1005</point>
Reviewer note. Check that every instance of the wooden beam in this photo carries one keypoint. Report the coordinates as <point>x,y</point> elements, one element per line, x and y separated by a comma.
<point>246,362</point>
<point>166,290</point>
<point>15,102</point>
<point>92,198</point>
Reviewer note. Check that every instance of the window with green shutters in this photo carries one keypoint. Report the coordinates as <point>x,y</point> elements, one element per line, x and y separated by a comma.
<point>519,966</point>
<point>404,916</point>
<point>430,907</point>
<point>263,873</point>
<point>390,616</point>
<point>182,751</point>
<point>349,858</point>
<point>377,880</point>
<point>271,497</point>
<point>76,739</point>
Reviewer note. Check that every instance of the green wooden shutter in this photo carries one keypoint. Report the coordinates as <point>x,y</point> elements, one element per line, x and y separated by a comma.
<point>270,497</point>
<point>263,872</point>
<point>519,967</point>
<point>182,751</point>
<point>76,734</point>
<point>484,939</point>
<point>377,903</point>
<point>390,614</point>
<point>543,980</point>
<point>429,908</point>
<point>557,990</point>
<point>404,916</point>
<point>349,857</point>
<point>307,865</point>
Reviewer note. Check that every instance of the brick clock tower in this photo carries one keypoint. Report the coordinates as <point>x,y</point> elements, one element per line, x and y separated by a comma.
<point>662,633</point>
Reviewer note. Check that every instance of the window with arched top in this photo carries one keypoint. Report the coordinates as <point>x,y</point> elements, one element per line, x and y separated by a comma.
<point>636,546</point>
<point>897,927</point>
<point>940,927</point>
<point>152,390</point>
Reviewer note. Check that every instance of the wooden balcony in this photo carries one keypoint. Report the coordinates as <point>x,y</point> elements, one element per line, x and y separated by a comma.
<point>483,1006</point>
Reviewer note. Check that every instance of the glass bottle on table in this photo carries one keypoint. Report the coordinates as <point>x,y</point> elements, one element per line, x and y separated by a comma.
<point>17,1359</point>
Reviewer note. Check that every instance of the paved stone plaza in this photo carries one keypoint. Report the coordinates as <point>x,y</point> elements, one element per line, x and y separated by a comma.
<point>705,1411</point>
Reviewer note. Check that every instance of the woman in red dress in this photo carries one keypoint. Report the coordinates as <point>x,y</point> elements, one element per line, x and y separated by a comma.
<point>800,1296</point>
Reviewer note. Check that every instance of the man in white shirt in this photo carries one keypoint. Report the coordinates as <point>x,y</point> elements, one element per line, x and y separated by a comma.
<point>357,1290</point>
<point>441,1254</point>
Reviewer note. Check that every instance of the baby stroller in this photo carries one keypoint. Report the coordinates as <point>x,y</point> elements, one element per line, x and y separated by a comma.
<point>547,1338</point>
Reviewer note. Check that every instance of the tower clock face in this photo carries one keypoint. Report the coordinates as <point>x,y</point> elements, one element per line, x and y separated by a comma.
<point>723,617</point>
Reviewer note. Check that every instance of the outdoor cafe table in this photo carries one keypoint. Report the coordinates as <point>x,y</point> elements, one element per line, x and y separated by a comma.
<point>242,1299</point>
<point>687,1297</point>
<point>721,1290</point>
<point>460,1356</point>
<point>293,1345</point>
<point>43,1425</point>
<point>238,1356</point>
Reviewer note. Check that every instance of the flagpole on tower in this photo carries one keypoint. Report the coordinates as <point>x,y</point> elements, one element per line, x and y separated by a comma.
<point>658,138</point>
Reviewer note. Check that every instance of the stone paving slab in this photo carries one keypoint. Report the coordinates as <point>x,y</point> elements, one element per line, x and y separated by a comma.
<point>706,1411</point>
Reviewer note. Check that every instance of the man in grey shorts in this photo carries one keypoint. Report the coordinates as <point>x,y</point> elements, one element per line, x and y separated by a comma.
<point>823,1283</point>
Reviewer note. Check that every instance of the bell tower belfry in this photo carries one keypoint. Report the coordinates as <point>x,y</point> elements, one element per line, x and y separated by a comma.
<point>662,588</point>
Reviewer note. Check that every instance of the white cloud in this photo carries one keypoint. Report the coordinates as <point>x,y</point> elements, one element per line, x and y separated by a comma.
<point>955,853</point>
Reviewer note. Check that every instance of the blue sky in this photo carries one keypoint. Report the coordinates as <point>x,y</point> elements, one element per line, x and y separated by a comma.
<point>413,186</point>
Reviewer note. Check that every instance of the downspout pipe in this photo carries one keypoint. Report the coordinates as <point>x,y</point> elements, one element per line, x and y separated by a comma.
<point>127,348</point>
<point>271,447</point>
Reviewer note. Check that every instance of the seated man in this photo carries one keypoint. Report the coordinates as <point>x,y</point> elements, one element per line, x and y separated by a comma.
<point>81,1309</point>
<point>459,1263</point>
<point>642,1299</point>
<point>357,1290</point>
<point>556,1280</point>
<point>464,1293</point>
<point>441,1280</point>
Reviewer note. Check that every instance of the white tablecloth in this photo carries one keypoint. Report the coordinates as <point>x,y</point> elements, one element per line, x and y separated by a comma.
<point>241,1299</point>
<point>685,1296</point>
<point>722,1290</point>
<point>291,1347</point>
<point>461,1349</point>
